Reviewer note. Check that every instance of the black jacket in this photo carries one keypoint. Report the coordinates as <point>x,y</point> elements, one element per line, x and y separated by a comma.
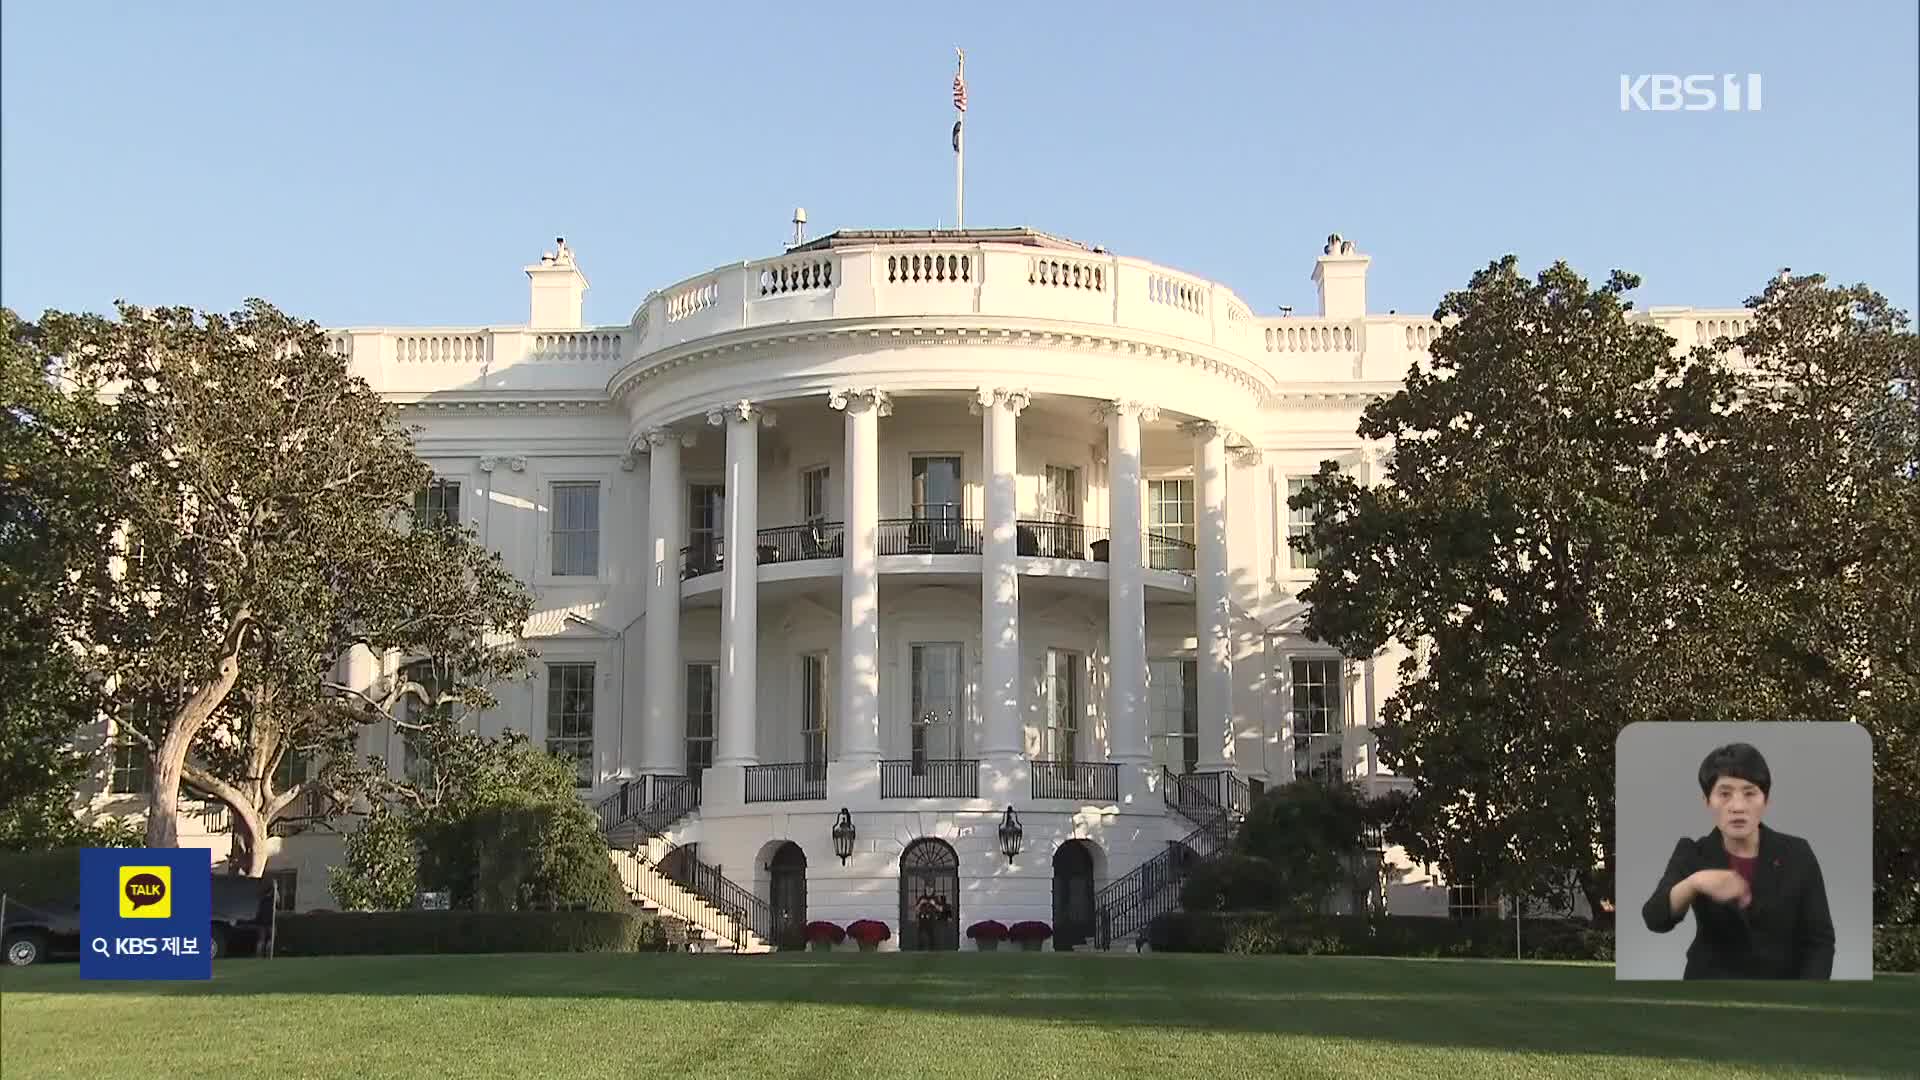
<point>1787,931</point>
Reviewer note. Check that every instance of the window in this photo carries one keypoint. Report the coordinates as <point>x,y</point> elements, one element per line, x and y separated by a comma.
<point>700,700</point>
<point>813,713</point>
<point>936,489</point>
<point>936,702</point>
<point>1319,718</point>
<point>438,503</point>
<point>576,528</point>
<point>1470,902</point>
<point>130,768</point>
<point>1170,524</point>
<point>570,716</point>
<point>286,885</point>
<point>813,495</point>
<point>291,770</point>
<point>1173,698</point>
<point>418,710</point>
<point>1060,493</point>
<point>1299,523</point>
<point>706,525</point>
<point>1063,706</point>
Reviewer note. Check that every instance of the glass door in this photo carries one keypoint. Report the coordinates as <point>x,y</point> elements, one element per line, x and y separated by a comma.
<point>1173,703</point>
<point>936,505</point>
<point>936,703</point>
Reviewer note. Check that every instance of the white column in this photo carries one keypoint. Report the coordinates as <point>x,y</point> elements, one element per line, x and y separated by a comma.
<point>663,746</point>
<point>1126,588</point>
<point>739,587</point>
<point>1213,620</point>
<point>858,716</point>
<point>1000,575</point>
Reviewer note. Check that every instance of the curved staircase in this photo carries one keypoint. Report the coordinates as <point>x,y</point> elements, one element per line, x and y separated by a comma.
<point>671,881</point>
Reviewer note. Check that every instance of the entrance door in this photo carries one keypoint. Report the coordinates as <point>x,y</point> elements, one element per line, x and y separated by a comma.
<point>929,866</point>
<point>1072,895</point>
<point>787,896</point>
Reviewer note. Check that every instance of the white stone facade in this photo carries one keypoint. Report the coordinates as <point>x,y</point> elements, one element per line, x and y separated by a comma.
<point>1033,491</point>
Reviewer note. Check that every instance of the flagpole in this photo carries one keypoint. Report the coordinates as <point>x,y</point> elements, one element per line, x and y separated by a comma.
<point>960,144</point>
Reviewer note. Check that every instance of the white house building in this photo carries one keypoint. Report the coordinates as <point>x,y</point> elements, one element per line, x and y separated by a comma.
<point>898,538</point>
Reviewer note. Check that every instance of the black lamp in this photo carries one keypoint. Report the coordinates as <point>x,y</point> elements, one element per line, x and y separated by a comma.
<point>843,836</point>
<point>1010,835</point>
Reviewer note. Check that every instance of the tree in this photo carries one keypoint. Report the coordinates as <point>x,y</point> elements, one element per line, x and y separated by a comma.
<point>1581,530</point>
<point>262,531</point>
<point>56,472</point>
<point>1308,832</point>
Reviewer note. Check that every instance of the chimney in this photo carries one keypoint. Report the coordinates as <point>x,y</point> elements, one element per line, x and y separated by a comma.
<point>1341,276</point>
<point>558,287</point>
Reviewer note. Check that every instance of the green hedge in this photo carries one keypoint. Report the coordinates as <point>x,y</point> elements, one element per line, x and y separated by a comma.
<point>1272,933</point>
<point>41,877</point>
<point>1896,948</point>
<point>338,933</point>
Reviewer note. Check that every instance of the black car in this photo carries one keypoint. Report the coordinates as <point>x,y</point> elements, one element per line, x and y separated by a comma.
<point>242,924</point>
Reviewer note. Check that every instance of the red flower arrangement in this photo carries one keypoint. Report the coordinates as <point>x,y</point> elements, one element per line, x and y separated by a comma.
<point>824,935</point>
<point>987,934</point>
<point>1030,934</point>
<point>869,933</point>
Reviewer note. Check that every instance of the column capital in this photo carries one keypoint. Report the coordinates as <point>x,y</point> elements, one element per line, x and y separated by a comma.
<point>1204,430</point>
<point>1245,454</point>
<point>853,400</point>
<point>1015,400</point>
<point>741,412</point>
<point>1140,410</point>
<point>661,436</point>
<point>494,461</point>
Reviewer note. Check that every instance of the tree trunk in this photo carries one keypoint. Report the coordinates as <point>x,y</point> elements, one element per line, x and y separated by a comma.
<point>164,768</point>
<point>248,856</point>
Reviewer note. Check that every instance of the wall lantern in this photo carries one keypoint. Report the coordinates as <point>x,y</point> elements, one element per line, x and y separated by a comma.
<point>1010,835</point>
<point>843,836</point>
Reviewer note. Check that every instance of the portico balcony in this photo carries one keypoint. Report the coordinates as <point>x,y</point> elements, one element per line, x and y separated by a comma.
<point>1061,539</point>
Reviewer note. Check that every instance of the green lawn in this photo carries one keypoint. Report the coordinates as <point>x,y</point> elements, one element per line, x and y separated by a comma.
<point>973,1016</point>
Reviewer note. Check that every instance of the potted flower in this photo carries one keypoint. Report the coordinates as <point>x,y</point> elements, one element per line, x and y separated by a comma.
<point>869,933</point>
<point>822,936</point>
<point>1030,934</point>
<point>987,934</point>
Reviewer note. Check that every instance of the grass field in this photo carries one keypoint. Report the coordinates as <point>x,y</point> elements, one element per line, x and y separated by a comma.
<point>963,1015</point>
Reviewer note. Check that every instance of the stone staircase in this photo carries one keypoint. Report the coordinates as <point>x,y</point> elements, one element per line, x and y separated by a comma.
<point>671,881</point>
<point>656,893</point>
<point>1215,803</point>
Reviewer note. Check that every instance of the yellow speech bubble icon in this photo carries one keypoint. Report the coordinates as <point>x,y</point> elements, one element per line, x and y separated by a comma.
<point>146,892</point>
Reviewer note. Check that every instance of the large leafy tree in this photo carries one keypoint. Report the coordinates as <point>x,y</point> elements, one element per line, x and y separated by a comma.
<point>1580,531</point>
<point>261,521</point>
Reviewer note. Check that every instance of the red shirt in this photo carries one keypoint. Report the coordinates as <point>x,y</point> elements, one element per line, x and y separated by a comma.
<point>1743,866</point>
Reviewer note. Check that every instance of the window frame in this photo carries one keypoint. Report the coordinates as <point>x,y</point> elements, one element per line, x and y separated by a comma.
<point>1298,523</point>
<point>920,733</point>
<point>816,712</point>
<point>424,510</point>
<point>565,677</point>
<point>1060,739</point>
<point>1189,734</point>
<point>821,511</point>
<point>130,758</point>
<point>598,486</point>
<point>1314,732</point>
<point>695,765</point>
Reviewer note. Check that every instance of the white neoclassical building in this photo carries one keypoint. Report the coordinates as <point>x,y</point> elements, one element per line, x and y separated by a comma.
<point>897,539</point>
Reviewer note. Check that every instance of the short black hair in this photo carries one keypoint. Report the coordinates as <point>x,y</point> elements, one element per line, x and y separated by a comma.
<point>1740,761</point>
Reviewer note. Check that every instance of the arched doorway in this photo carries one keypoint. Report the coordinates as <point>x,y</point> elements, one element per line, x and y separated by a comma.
<point>929,866</point>
<point>1072,894</point>
<point>787,896</point>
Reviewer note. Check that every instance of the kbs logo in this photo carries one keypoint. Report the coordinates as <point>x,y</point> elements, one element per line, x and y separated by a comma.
<point>1689,93</point>
<point>146,892</point>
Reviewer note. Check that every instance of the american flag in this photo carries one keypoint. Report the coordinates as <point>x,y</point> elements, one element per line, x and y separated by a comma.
<point>959,92</point>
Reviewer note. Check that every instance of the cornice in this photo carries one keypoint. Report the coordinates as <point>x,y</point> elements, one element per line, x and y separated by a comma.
<point>1079,338</point>
<point>527,406</point>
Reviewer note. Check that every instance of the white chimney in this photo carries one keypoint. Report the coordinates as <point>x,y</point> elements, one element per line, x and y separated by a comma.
<point>1341,276</point>
<point>557,288</point>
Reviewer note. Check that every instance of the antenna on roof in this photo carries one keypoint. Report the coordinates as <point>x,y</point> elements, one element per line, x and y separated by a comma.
<point>799,225</point>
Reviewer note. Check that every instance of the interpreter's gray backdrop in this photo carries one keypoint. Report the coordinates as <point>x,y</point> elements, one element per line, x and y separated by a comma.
<point>1822,792</point>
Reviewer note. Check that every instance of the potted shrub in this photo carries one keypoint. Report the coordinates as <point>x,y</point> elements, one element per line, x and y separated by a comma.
<point>869,933</point>
<point>1030,934</point>
<point>987,934</point>
<point>822,936</point>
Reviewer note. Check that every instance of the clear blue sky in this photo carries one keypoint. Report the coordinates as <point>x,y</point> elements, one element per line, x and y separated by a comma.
<point>398,162</point>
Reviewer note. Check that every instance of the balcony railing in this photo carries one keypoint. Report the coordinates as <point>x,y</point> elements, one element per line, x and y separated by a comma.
<point>930,778</point>
<point>1169,553</point>
<point>793,543</point>
<point>1081,781</point>
<point>787,782</point>
<point>930,536</point>
<point>1061,540</point>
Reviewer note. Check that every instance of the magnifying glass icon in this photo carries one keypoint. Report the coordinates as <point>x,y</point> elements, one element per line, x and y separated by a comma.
<point>100,946</point>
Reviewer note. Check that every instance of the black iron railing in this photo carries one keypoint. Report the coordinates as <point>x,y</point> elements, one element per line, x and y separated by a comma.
<point>786,782</point>
<point>793,543</point>
<point>703,556</point>
<point>1060,540</point>
<point>1169,553</point>
<point>1125,907</point>
<point>646,806</point>
<point>746,911</point>
<point>1083,781</point>
<point>929,536</point>
<point>930,778</point>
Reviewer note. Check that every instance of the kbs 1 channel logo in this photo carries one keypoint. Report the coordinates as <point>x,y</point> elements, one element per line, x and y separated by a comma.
<point>146,913</point>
